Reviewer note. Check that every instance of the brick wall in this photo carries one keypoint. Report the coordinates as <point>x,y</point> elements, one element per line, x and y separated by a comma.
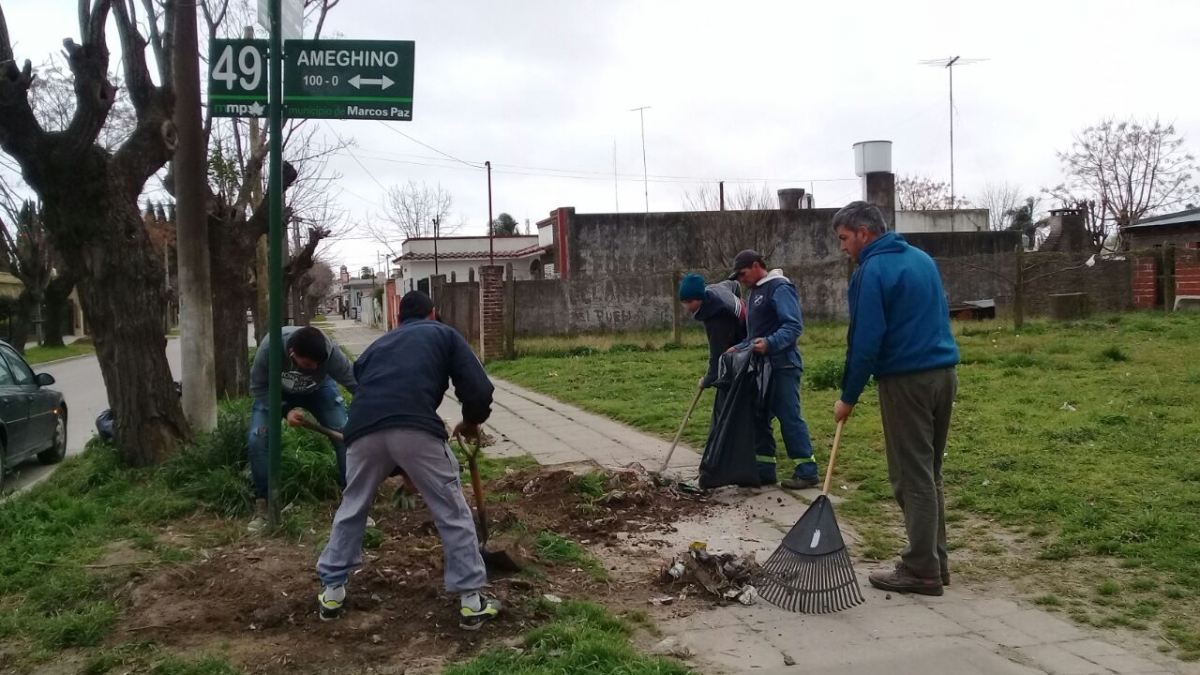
<point>1144,272</point>
<point>1187,271</point>
<point>491,313</point>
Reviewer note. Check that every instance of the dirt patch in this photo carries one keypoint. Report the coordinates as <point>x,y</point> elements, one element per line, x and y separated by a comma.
<point>121,553</point>
<point>255,599</point>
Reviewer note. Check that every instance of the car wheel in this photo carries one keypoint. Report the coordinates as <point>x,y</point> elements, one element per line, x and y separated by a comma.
<point>58,450</point>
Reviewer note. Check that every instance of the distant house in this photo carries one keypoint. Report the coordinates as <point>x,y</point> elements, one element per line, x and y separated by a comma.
<point>1167,247</point>
<point>423,257</point>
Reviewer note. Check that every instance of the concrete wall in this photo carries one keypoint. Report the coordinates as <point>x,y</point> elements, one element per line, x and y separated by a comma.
<point>1108,283</point>
<point>560,306</point>
<point>962,220</point>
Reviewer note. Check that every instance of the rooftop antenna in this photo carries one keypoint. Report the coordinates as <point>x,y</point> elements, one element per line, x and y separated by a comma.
<point>949,63</point>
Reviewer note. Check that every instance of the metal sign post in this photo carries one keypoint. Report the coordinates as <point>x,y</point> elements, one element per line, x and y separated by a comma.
<point>275,266</point>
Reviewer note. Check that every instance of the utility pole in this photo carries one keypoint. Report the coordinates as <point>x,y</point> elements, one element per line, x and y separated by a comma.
<point>491,225</point>
<point>435,238</point>
<point>949,63</point>
<point>195,273</point>
<point>616,185</point>
<point>721,192</point>
<point>645,172</point>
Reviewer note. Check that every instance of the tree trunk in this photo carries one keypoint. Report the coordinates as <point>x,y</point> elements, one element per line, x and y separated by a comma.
<point>1019,289</point>
<point>121,291</point>
<point>22,319</point>
<point>195,281</point>
<point>231,242</point>
<point>262,304</point>
<point>55,314</point>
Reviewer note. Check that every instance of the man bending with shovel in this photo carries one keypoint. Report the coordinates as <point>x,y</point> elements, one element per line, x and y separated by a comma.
<point>313,366</point>
<point>402,378</point>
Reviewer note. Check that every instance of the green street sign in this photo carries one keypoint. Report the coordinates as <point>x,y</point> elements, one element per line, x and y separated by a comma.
<point>237,78</point>
<point>349,79</point>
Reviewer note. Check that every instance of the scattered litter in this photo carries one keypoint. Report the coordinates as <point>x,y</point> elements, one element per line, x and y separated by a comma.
<point>788,660</point>
<point>1068,407</point>
<point>725,576</point>
<point>698,546</point>
<point>663,601</point>
<point>987,482</point>
<point>551,598</point>
<point>888,596</point>
<point>377,638</point>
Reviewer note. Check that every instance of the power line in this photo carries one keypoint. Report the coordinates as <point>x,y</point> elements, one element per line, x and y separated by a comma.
<point>425,145</point>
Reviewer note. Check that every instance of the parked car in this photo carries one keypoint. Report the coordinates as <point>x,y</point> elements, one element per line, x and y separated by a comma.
<point>33,418</point>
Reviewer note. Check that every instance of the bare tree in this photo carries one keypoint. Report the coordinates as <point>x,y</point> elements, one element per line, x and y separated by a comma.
<point>1000,199</point>
<point>90,196</point>
<point>1120,172</point>
<point>238,207</point>
<point>409,212</point>
<point>920,193</point>
<point>315,285</point>
<point>751,220</point>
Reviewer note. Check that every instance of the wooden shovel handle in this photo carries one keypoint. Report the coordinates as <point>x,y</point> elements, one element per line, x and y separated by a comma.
<point>837,440</point>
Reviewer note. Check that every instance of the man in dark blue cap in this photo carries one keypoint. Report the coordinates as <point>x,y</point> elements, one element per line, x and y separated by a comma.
<point>773,326</point>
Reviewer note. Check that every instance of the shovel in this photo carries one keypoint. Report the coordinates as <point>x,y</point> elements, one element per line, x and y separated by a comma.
<point>499,561</point>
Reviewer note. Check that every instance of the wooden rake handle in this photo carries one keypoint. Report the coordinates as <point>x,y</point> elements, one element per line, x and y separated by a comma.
<point>837,440</point>
<point>688,416</point>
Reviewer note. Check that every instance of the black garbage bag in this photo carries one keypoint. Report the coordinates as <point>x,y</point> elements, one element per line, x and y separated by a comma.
<point>106,419</point>
<point>739,416</point>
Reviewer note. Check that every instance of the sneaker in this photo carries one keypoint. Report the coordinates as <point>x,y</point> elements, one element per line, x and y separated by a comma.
<point>470,619</point>
<point>330,602</point>
<point>902,580</point>
<point>259,522</point>
<point>799,483</point>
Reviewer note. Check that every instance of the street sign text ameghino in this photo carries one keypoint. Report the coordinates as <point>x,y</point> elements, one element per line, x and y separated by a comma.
<point>323,79</point>
<point>348,79</point>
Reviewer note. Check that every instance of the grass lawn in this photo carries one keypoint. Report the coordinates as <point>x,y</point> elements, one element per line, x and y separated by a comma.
<point>1073,461</point>
<point>36,355</point>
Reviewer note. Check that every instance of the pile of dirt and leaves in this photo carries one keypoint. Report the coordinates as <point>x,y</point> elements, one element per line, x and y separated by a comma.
<point>254,600</point>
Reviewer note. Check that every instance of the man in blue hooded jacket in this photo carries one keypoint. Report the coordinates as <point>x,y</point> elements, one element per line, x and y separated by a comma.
<point>900,333</point>
<point>773,325</point>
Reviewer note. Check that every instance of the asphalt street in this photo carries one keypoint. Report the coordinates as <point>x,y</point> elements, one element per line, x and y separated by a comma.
<point>83,388</point>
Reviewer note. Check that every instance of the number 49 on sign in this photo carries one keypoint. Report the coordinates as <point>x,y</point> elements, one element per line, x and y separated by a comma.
<point>237,78</point>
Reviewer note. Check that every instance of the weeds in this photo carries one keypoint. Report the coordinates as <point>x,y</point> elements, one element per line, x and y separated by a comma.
<point>582,639</point>
<point>552,547</point>
<point>825,375</point>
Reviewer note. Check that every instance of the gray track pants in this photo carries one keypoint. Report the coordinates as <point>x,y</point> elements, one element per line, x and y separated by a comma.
<point>433,468</point>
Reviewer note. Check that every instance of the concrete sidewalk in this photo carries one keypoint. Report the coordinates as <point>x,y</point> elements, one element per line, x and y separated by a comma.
<point>962,633</point>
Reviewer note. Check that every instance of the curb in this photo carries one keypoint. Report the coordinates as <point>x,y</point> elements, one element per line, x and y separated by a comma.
<point>35,366</point>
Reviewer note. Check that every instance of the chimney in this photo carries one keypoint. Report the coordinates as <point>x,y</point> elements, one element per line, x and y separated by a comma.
<point>791,199</point>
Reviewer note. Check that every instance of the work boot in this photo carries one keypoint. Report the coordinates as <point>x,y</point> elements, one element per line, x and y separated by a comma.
<point>330,602</point>
<point>476,610</point>
<point>800,483</point>
<point>259,522</point>
<point>903,580</point>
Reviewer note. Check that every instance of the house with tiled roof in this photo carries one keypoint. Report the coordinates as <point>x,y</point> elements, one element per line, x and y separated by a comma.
<point>461,257</point>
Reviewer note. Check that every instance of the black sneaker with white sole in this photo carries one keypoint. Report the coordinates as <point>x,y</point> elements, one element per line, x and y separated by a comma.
<point>471,619</point>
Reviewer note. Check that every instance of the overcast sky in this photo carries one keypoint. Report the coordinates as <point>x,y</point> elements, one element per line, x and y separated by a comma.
<point>776,92</point>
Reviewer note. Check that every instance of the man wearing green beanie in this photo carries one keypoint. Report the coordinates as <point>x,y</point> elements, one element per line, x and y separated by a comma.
<point>724,316</point>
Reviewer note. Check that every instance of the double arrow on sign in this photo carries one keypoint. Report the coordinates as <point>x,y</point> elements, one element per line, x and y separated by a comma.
<point>383,82</point>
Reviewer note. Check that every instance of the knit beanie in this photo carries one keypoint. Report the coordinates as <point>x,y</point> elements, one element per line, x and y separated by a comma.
<point>692,287</point>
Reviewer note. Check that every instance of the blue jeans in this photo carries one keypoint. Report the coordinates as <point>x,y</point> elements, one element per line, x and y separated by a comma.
<point>325,404</point>
<point>785,406</point>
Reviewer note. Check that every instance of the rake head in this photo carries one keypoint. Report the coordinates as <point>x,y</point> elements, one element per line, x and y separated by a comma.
<point>811,571</point>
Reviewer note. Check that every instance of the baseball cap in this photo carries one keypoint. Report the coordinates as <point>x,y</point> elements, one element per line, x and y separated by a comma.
<point>743,260</point>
